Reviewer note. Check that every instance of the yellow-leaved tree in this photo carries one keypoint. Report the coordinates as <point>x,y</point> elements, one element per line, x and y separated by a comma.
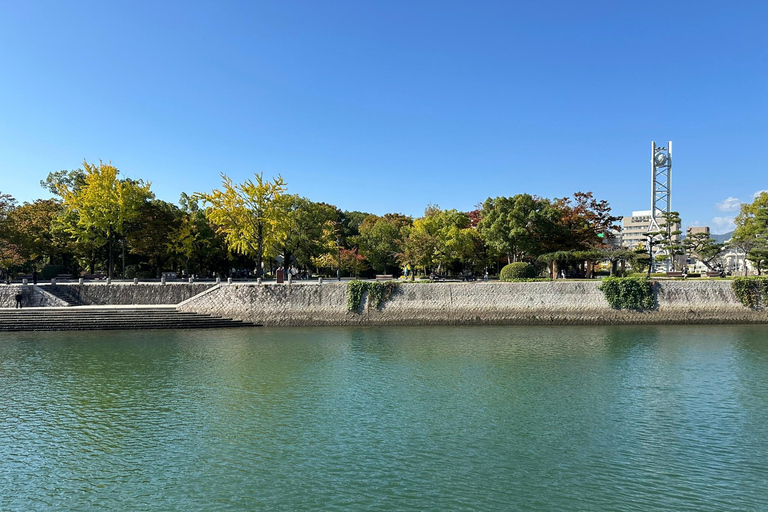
<point>97,212</point>
<point>250,215</point>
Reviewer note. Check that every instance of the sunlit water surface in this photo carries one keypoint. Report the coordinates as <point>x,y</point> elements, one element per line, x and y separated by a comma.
<point>433,418</point>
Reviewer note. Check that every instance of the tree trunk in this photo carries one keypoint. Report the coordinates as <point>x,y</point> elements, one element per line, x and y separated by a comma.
<point>260,250</point>
<point>110,264</point>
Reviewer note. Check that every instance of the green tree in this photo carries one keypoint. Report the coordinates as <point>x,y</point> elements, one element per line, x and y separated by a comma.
<point>751,227</point>
<point>149,235</point>
<point>72,180</point>
<point>703,248</point>
<point>381,239</point>
<point>350,225</point>
<point>99,210</point>
<point>30,228</point>
<point>522,226</point>
<point>250,215</point>
<point>305,230</point>
<point>759,257</point>
<point>668,238</point>
<point>439,239</point>
<point>10,253</point>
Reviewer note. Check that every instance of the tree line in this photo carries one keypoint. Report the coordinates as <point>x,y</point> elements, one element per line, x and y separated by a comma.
<point>102,222</point>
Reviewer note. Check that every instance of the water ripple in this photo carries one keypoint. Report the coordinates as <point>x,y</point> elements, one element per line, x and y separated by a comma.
<point>491,418</point>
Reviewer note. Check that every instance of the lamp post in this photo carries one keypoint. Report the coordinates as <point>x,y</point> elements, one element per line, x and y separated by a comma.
<point>650,253</point>
<point>338,270</point>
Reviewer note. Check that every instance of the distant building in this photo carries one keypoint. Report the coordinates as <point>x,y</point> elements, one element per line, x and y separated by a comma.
<point>693,230</point>
<point>634,227</point>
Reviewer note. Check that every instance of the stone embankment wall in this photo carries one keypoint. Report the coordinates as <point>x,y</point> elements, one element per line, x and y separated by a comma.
<point>559,302</point>
<point>32,296</point>
<point>127,293</point>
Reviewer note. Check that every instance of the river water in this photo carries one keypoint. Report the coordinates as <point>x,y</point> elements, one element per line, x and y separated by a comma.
<point>402,418</point>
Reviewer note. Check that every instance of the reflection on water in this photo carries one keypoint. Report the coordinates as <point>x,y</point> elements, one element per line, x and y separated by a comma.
<point>417,418</point>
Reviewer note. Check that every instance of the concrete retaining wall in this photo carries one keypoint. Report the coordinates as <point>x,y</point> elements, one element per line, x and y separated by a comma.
<point>103,294</point>
<point>559,302</point>
<point>32,296</point>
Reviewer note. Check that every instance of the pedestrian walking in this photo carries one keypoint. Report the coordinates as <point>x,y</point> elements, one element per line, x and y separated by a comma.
<point>19,296</point>
<point>34,277</point>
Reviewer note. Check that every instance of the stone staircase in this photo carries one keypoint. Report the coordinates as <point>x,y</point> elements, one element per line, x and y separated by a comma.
<point>65,293</point>
<point>108,318</point>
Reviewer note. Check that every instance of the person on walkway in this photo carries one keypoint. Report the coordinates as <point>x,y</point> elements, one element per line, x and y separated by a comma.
<point>34,277</point>
<point>19,296</point>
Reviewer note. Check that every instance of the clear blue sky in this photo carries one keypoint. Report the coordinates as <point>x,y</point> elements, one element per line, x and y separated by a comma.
<point>387,106</point>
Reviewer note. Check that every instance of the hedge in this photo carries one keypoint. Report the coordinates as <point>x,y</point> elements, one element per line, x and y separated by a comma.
<point>519,270</point>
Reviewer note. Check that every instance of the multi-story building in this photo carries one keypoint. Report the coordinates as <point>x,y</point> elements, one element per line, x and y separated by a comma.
<point>634,227</point>
<point>695,230</point>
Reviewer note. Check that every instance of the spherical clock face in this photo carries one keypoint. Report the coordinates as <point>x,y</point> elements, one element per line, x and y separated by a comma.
<point>661,158</point>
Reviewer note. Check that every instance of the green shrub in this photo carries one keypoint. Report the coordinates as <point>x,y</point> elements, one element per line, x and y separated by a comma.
<point>378,293</point>
<point>50,271</point>
<point>751,291</point>
<point>519,270</point>
<point>628,293</point>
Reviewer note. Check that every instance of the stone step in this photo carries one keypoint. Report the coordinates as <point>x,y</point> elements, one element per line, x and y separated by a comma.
<point>65,294</point>
<point>89,318</point>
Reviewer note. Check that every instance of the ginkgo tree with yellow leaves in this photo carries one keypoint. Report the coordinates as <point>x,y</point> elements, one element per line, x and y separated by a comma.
<point>250,215</point>
<point>98,211</point>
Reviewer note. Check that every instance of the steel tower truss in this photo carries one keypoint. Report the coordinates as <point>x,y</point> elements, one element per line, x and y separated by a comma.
<point>661,183</point>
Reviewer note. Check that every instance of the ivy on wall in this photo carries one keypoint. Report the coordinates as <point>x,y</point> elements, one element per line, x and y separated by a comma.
<point>751,291</point>
<point>378,293</point>
<point>628,293</point>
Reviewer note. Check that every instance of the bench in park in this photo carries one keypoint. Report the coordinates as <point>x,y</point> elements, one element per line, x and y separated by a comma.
<point>711,273</point>
<point>674,274</point>
<point>384,277</point>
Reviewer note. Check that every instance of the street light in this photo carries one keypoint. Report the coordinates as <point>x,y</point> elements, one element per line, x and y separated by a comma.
<point>650,252</point>
<point>338,270</point>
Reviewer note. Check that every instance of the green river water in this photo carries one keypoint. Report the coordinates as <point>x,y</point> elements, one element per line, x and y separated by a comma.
<point>403,418</point>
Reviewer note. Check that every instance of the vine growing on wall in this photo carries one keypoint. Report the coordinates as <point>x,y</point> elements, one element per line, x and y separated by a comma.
<point>378,293</point>
<point>628,293</point>
<point>751,291</point>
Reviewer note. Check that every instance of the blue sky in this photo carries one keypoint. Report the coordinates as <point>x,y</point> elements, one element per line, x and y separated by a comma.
<point>389,106</point>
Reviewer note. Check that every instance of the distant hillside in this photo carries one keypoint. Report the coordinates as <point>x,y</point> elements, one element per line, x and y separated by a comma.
<point>722,238</point>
